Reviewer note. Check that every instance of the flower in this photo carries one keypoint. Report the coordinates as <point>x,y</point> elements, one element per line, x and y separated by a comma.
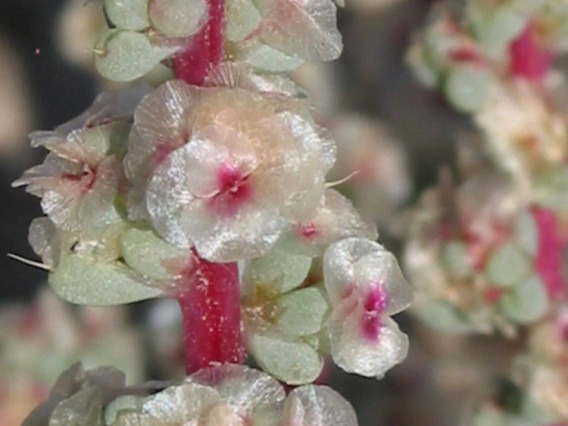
<point>526,135</point>
<point>481,259</point>
<point>38,342</point>
<point>365,287</point>
<point>233,395</point>
<point>224,169</point>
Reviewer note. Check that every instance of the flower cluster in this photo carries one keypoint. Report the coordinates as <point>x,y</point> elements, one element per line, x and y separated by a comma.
<point>497,259</point>
<point>39,342</point>
<point>481,259</point>
<point>142,195</point>
<point>493,60</point>
<point>224,395</point>
<point>537,393</point>
<point>512,407</point>
<point>543,367</point>
<point>468,50</point>
<point>211,189</point>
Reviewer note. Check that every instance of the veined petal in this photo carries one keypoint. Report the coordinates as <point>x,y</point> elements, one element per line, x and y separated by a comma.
<point>334,220</point>
<point>304,28</point>
<point>355,352</point>
<point>317,406</point>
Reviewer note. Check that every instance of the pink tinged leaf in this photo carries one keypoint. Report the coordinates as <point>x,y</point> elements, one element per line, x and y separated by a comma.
<point>549,262</point>
<point>211,310</point>
<point>529,59</point>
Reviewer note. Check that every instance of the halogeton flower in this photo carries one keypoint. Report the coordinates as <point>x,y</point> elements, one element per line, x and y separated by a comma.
<point>225,169</point>
<point>365,287</point>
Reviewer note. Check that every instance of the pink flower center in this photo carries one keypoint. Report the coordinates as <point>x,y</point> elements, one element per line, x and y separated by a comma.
<point>86,179</point>
<point>374,304</point>
<point>308,231</point>
<point>234,190</point>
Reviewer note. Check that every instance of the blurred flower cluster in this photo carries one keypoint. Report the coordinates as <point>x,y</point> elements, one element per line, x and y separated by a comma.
<point>486,250</point>
<point>41,341</point>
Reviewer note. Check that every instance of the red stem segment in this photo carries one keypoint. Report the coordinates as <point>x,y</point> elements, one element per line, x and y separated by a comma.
<point>210,302</point>
<point>206,48</point>
<point>211,311</point>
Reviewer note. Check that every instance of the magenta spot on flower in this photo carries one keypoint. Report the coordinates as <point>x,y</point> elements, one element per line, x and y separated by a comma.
<point>374,304</point>
<point>234,190</point>
<point>529,58</point>
<point>308,231</point>
<point>548,263</point>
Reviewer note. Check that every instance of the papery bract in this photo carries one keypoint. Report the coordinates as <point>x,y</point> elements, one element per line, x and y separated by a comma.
<point>365,286</point>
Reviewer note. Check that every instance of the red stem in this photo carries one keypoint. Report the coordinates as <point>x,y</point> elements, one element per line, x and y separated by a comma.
<point>529,58</point>
<point>206,48</point>
<point>211,311</point>
<point>210,301</point>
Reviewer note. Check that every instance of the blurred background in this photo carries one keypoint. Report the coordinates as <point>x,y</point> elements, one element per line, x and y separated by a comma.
<point>368,97</point>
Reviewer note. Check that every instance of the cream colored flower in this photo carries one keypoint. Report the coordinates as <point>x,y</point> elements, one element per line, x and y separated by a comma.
<point>224,169</point>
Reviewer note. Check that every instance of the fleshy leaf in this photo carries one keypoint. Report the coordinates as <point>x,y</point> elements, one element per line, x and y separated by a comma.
<point>526,302</point>
<point>177,18</point>
<point>128,14</point>
<point>242,19</point>
<point>145,252</point>
<point>507,266</point>
<point>127,55</point>
<point>302,312</point>
<point>276,273</point>
<point>84,281</point>
<point>456,259</point>
<point>467,87</point>
<point>291,361</point>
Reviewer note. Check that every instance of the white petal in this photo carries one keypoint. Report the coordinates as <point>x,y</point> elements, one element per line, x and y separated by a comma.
<point>334,220</point>
<point>177,18</point>
<point>166,197</point>
<point>304,28</point>
<point>178,404</point>
<point>320,406</point>
<point>45,240</point>
<point>161,118</point>
<point>339,264</point>
<point>252,393</point>
<point>355,353</point>
<point>250,232</point>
